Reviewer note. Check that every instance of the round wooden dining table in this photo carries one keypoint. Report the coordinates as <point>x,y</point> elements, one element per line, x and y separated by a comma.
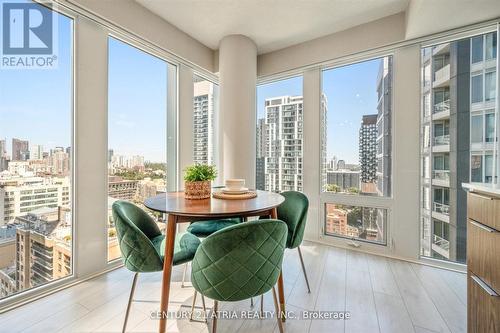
<point>182,210</point>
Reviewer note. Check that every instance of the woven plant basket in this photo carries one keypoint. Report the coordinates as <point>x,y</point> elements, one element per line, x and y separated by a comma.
<point>197,190</point>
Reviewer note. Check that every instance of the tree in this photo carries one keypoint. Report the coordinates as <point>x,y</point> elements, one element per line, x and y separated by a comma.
<point>333,188</point>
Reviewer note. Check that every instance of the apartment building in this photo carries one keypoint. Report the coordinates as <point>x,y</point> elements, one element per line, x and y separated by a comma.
<point>204,103</point>
<point>458,122</point>
<point>368,153</point>
<point>122,189</point>
<point>20,195</point>
<point>20,150</point>
<point>384,127</point>
<point>283,164</point>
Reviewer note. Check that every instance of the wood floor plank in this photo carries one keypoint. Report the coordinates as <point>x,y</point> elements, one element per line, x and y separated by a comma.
<point>359,295</point>
<point>332,291</point>
<point>392,314</point>
<point>457,282</point>
<point>314,259</point>
<point>381,294</point>
<point>381,276</point>
<point>445,299</point>
<point>420,307</point>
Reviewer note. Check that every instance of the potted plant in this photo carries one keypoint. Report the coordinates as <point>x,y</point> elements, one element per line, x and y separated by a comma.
<point>198,181</point>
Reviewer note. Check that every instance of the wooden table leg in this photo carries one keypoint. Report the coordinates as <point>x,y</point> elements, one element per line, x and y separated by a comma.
<point>281,289</point>
<point>167,270</point>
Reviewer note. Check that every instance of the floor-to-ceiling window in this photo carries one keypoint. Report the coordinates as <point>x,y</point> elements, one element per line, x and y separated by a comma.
<point>279,135</point>
<point>36,157</point>
<point>137,129</point>
<point>357,131</point>
<point>205,113</point>
<point>463,148</point>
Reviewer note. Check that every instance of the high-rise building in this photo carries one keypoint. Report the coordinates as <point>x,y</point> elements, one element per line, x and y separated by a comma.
<point>43,247</point>
<point>332,164</point>
<point>59,162</point>
<point>20,150</point>
<point>368,153</point>
<point>341,165</point>
<point>260,162</point>
<point>344,179</point>
<point>283,127</point>
<point>283,163</point>
<point>3,155</point>
<point>21,195</point>
<point>458,138</point>
<point>261,137</point>
<point>110,155</point>
<point>36,152</point>
<point>204,104</point>
<point>384,118</point>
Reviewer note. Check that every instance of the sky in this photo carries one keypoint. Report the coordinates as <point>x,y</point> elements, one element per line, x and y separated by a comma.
<point>351,92</point>
<point>36,105</point>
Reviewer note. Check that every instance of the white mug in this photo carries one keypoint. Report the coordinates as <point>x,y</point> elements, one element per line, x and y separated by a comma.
<point>235,184</point>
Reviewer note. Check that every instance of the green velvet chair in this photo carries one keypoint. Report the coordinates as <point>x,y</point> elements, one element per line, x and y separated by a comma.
<point>143,245</point>
<point>204,229</point>
<point>240,262</point>
<point>293,211</point>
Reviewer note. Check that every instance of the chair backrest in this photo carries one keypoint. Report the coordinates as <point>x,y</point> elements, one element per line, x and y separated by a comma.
<point>240,261</point>
<point>294,213</point>
<point>135,229</point>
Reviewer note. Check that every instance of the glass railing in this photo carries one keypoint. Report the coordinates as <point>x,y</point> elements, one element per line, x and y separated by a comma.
<point>442,140</point>
<point>441,242</point>
<point>441,175</point>
<point>442,106</point>
<point>441,208</point>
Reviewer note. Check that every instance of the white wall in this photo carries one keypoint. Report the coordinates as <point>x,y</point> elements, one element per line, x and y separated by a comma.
<point>364,37</point>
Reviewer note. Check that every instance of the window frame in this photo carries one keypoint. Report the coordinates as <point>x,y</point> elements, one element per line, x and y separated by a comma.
<point>383,202</point>
<point>25,296</point>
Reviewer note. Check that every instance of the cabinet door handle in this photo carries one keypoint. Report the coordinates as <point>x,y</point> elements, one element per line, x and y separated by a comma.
<point>482,226</point>
<point>484,286</point>
<point>482,196</point>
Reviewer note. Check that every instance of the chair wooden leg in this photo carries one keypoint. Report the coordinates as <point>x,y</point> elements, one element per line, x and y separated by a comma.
<point>251,302</point>
<point>261,305</point>
<point>192,306</point>
<point>214,316</point>
<point>184,274</point>
<point>129,304</point>
<point>277,311</point>
<point>304,269</point>
<point>204,307</point>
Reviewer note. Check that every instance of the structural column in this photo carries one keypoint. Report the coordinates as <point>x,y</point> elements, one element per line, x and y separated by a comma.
<point>237,120</point>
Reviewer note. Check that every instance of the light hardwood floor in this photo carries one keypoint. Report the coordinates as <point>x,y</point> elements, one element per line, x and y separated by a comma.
<point>381,295</point>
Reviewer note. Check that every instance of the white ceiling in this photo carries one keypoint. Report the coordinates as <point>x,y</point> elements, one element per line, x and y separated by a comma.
<point>271,24</point>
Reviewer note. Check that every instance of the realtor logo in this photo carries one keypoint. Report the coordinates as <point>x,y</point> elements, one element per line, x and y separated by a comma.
<point>28,36</point>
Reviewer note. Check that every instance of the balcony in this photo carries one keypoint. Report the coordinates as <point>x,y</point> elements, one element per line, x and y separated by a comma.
<point>442,140</point>
<point>441,246</point>
<point>441,208</point>
<point>441,178</point>
<point>441,212</point>
<point>442,77</point>
<point>441,110</point>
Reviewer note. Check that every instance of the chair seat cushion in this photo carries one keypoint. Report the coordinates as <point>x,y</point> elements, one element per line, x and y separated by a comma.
<point>206,228</point>
<point>185,247</point>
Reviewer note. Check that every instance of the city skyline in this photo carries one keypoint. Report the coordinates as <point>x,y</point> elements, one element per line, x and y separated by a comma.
<point>352,87</point>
